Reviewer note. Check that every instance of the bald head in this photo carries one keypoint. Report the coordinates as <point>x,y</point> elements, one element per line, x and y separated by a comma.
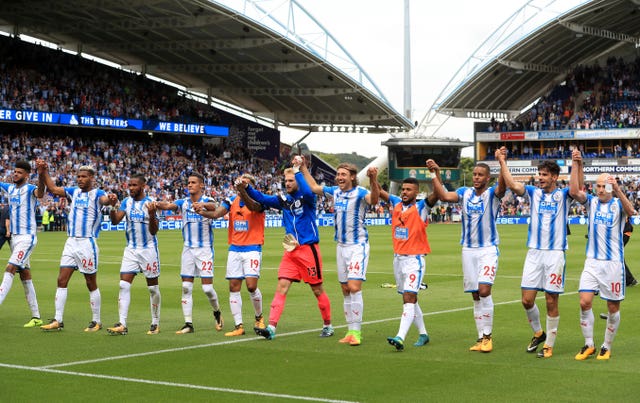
<point>602,178</point>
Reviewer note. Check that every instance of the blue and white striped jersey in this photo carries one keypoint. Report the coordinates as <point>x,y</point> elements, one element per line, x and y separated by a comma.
<point>606,228</point>
<point>137,225</point>
<point>22,207</point>
<point>350,209</point>
<point>479,217</point>
<point>84,212</point>
<point>548,224</point>
<point>197,230</point>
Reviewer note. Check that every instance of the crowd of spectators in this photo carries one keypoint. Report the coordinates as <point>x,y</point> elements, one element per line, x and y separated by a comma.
<point>591,97</point>
<point>165,163</point>
<point>36,78</point>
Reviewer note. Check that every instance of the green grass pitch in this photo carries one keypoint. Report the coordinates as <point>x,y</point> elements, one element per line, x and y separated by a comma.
<point>298,365</point>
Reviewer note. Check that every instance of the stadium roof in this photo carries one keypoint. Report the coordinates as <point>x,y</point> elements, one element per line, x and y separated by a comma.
<point>528,69</point>
<point>248,59</point>
<point>532,52</point>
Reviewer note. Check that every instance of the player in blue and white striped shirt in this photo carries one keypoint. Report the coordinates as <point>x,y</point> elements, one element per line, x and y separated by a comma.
<point>197,251</point>
<point>604,267</point>
<point>141,253</point>
<point>480,206</point>
<point>22,197</point>
<point>544,265</point>
<point>81,250</point>
<point>350,204</point>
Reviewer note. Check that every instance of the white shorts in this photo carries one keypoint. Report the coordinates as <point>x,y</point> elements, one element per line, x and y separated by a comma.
<point>81,254</point>
<point>197,262</point>
<point>605,277</point>
<point>244,264</point>
<point>544,271</point>
<point>408,271</point>
<point>352,261</point>
<point>21,248</point>
<point>141,260</point>
<point>479,266</point>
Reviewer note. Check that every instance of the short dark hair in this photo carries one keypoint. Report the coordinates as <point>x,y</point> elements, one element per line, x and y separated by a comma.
<point>139,177</point>
<point>411,181</point>
<point>485,166</point>
<point>551,166</point>
<point>197,175</point>
<point>23,164</point>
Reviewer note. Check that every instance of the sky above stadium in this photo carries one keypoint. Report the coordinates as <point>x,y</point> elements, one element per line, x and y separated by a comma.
<point>444,34</point>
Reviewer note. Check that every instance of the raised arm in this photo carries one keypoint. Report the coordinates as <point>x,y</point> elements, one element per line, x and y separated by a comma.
<point>44,177</point>
<point>575,179</point>
<point>241,188</point>
<point>501,188</point>
<point>315,188</point>
<point>42,185</point>
<point>438,188</point>
<point>384,195</point>
<point>516,187</point>
<point>303,186</point>
<point>266,200</point>
<point>627,206</point>
<point>373,197</point>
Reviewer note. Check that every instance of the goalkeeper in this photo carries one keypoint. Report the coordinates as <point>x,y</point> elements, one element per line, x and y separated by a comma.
<point>301,259</point>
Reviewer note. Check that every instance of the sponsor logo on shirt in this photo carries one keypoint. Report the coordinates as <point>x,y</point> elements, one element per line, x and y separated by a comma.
<point>82,202</point>
<point>241,226</point>
<point>136,215</point>
<point>548,207</point>
<point>475,207</point>
<point>401,233</point>
<point>601,218</point>
<point>340,204</point>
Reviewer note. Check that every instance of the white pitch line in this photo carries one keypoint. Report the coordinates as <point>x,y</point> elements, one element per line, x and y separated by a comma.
<point>175,384</point>
<point>244,340</point>
<point>49,368</point>
<point>171,350</point>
